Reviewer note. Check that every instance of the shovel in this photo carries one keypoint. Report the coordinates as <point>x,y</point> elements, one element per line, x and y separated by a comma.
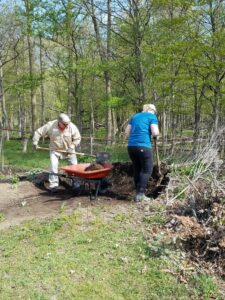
<point>100,157</point>
<point>157,157</point>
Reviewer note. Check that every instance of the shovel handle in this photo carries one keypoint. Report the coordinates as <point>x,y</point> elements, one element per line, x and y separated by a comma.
<point>157,153</point>
<point>64,151</point>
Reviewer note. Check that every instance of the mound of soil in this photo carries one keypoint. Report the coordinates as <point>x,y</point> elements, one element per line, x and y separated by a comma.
<point>199,224</point>
<point>94,167</point>
<point>122,184</point>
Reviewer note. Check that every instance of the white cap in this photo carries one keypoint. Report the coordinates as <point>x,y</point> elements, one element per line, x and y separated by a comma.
<point>149,108</point>
<point>64,118</point>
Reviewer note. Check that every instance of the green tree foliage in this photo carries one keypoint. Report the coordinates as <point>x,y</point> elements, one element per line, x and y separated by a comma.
<point>170,53</point>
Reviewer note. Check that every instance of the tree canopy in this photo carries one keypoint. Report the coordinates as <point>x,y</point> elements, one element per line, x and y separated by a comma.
<point>100,61</point>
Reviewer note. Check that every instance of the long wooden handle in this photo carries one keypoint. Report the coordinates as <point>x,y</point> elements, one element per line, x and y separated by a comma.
<point>157,153</point>
<point>64,151</point>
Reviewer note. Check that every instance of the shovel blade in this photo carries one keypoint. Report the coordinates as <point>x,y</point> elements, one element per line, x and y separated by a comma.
<point>102,157</point>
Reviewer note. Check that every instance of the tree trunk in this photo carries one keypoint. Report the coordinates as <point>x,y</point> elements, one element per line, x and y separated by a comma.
<point>22,116</point>
<point>70,62</point>
<point>163,131</point>
<point>115,126</point>
<point>139,75</point>
<point>173,132</point>
<point>216,106</point>
<point>92,121</point>
<point>70,85</point>
<point>42,84</point>
<point>29,16</point>
<point>109,118</point>
<point>5,122</point>
<point>197,117</point>
<point>2,161</point>
<point>110,135</point>
<point>105,57</point>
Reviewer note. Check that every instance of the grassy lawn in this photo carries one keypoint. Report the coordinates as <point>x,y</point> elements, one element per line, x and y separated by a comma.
<point>31,160</point>
<point>72,257</point>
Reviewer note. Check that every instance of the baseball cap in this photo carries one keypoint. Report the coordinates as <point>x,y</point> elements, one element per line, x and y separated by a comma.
<point>63,118</point>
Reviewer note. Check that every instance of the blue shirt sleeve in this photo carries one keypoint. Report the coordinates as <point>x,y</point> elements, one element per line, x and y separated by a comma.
<point>130,121</point>
<point>154,120</point>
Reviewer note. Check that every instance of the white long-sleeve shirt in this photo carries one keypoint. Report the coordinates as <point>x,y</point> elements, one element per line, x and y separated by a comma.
<point>59,140</point>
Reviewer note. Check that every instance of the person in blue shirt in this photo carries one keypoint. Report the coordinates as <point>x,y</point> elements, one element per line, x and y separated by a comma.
<point>140,129</point>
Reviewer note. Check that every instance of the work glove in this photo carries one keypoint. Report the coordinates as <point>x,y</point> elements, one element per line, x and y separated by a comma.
<point>70,150</point>
<point>34,147</point>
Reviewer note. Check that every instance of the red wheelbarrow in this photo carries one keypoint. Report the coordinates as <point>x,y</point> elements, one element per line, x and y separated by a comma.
<point>78,174</point>
<point>79,171</point>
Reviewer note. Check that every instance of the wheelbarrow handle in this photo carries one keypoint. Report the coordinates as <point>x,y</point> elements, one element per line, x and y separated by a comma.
<point>64,151</point>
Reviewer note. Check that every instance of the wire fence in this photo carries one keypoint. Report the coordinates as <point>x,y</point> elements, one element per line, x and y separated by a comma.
<point>179,149</point>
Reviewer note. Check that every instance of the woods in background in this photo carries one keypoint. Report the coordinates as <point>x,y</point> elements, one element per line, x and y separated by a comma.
<point>100,61</point>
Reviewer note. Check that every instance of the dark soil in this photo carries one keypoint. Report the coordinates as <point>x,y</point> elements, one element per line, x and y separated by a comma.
<point>121,180</point>
<point>93,167</point>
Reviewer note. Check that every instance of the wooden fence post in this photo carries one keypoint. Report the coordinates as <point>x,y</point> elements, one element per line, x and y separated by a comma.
<point>25,141</point>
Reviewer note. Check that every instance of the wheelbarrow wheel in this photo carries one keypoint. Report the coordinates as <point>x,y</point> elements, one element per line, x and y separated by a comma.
<point>76,187</point>
<point>103,187</point>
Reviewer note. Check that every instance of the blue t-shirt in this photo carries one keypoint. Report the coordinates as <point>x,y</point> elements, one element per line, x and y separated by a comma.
<point>140,134</point>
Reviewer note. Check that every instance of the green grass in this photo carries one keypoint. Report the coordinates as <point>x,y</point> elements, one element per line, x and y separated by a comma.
<point>31,160</point>
<point>118,153</point>
<point>70,257</point>
<point>14,157</point>
<point>2,216</point>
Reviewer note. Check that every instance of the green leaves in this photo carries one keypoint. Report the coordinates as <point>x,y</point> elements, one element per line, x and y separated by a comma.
<point>115,102</point>
<point>25,82</point>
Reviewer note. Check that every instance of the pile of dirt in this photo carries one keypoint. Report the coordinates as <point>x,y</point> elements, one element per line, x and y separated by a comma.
<point>94,167</point>
<point>199,223</point>
<point>121,181</point>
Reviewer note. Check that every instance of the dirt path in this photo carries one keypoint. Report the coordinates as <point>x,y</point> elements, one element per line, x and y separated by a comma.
<point>28,200</point>
<point>25,201</point>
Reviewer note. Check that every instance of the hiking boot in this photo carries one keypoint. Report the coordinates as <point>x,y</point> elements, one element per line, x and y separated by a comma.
<point>53,190</point>
<point>141,197</point>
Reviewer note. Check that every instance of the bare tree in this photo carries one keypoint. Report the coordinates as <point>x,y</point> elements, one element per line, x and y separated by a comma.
<point>42,82</point>
<point>105,55</point>
<point>30,42</point>
<point>8,51</point>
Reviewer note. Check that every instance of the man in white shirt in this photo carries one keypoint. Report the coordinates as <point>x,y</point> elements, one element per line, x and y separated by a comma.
<point>64,136</point>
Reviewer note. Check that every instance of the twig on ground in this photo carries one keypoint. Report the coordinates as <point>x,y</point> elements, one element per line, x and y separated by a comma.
<point>192,183</point>
<point>216,182</point>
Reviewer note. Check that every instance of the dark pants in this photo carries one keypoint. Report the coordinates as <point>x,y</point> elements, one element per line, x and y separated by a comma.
<point>141,158</point>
